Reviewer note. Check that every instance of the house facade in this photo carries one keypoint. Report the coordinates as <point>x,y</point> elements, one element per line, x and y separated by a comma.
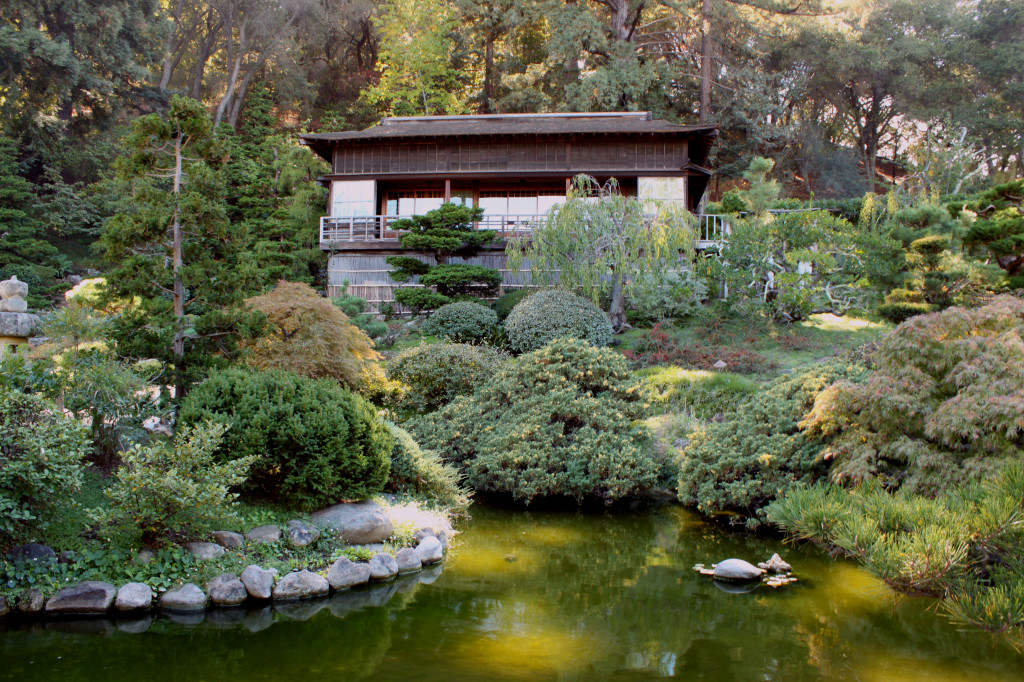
<point>514,166</point>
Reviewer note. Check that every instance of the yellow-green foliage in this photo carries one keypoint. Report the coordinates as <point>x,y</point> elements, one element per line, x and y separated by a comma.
<point>945,402</point>
<point>41,463</point>
<point>966,545</point>
<point>434,375</point>
<point>702,392</point>
<point>311,336</point>
<point>560,421</point>
<point>175,488</point>
<point>419,471</point>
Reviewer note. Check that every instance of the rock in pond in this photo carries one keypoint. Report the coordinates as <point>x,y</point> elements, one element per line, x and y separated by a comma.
<point>301,534</point>
<point>31,602</point>
<point>134,597</point>
<point>32,551</point>
<point>775,565</point>
<point>301,585</point>
<point>358,523</point>
<point>226,590</point>
<point>259,582</point>
<point>345,573</point>
<point>229,539</point>
<point>188,597</point>
<point>737,569</point>
<point>408,561</point>
<point>91,596</point>
<point>269,533</point>
<point>204,551</point>
<point>429,550</point>
<point>383,567</point>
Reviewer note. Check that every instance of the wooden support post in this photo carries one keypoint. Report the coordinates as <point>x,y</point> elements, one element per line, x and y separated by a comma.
<point>447,189</point>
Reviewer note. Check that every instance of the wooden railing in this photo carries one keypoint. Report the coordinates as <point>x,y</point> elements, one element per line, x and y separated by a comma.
<point>711,229</point>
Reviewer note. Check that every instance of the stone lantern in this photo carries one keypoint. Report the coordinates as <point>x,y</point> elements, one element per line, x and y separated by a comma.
<point>16,323</point>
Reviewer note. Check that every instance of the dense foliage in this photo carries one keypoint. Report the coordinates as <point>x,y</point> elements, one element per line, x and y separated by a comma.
<point>314,442</point>
<point>758,452</point>
<point>942,405</point>
<point>414,470</point>
<point>434,375</point>
<point>555,314</point>
<point>462,322</point>
<point>175,488</point>
<point>355,307</point>
<point>311,336</point>
<point>557,422</point>
<point>41,460</point>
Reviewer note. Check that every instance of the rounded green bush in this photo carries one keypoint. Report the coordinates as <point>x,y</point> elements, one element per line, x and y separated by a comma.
<point>437,374</point>
<point>901,311</point>
<point>556,314</point>
<point>462,321</point>
<point>315,442</point>
<point>414,470</point>
<point>503,305</point>
<point>558,422</point>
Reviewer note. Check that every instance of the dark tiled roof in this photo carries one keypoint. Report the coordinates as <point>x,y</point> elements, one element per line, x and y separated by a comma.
<point>513,124</point>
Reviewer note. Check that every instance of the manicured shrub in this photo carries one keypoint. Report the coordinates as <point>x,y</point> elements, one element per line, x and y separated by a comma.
<point>758,451</point>
<point>672,295</point>
<point>901,311</point>
<point>41,460</point>
<point>315,443</point>
<point>506,302</point>
<point>560,421</point>
<point>433,376</point>
<point>943,404</point>
<point>556,314</point>
<point>414,470</point>
<point>461,322</point>
<point>175,488</point>
<point>418,299</point>
<point>311,336</point>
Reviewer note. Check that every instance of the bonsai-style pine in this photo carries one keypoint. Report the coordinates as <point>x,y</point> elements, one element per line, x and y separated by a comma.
<point>443,233</point>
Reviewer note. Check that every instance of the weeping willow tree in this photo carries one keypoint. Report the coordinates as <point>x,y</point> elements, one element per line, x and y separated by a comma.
<point>602,242</point>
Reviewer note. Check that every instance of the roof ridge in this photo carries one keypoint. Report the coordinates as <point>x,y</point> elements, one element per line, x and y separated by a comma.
<point>643,115</point>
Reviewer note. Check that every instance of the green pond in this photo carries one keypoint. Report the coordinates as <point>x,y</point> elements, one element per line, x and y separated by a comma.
<point>547,596</point>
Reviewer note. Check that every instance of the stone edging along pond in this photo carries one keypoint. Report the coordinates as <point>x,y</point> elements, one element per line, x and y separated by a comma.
<point>255,585</point>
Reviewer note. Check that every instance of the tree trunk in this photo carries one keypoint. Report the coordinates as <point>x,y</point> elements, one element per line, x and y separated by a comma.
<point>178,345</point>
<point>617,310</point>
<point>489,75</point>
<point>707,54</point>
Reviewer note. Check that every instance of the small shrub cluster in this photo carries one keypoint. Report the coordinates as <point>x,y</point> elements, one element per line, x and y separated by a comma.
<point>432,376</point>
<point>41,460</point>
<point>659,347</point>
<point>314,442</point>
<point>674,295</point>
<point>506,302</point>
<point>559,421</point>
<point>556,314</point>
<point>462,322</point>
<point>759,451</point>
<point>175,488</point>
<point>414,470</point>
<point>355,307</point>
<point>944,403</point>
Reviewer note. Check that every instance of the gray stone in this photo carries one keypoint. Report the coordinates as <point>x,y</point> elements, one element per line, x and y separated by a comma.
<point>188,597</point>
<point>4,606</point>
<point>408,561</point>
<point>775,565</point>
<point>345,573</point>
<point>226,590</point>
<point>135,626</point>
<point>259,582</point>
<point>358,523</point>
<point>430,574</point>
<point>383,567</point>
<point>429,551</point>
<point>33,551</point>
<point>134,597</point>
<point>19,324</point>
<point>301,585</point>
<point>257,620</point>
<point>301,534</point>
<point>443,537</point>
<point>721,364</point>
<point>737,569</point>
<point>204,551</point>
<point>424,533</point>
<point>91,596</point>
<point>145,556</point>
<point>270,533</point>
<point>31,602</point>
<point>228,539</point>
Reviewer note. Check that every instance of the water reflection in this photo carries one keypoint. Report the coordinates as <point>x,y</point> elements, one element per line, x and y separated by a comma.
<point>546,596</point>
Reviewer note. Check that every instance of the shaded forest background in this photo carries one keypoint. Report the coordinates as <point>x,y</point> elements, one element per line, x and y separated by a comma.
<point>843,96</point>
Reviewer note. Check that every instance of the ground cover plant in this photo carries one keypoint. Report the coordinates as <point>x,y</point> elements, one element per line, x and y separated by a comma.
<point>315,443</point>
<point>556,422</point>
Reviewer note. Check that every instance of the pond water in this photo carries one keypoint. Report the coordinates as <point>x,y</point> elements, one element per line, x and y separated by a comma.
<point>547,596</point>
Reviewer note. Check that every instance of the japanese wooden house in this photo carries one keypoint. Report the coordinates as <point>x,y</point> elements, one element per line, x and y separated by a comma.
<point>515,166</point>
